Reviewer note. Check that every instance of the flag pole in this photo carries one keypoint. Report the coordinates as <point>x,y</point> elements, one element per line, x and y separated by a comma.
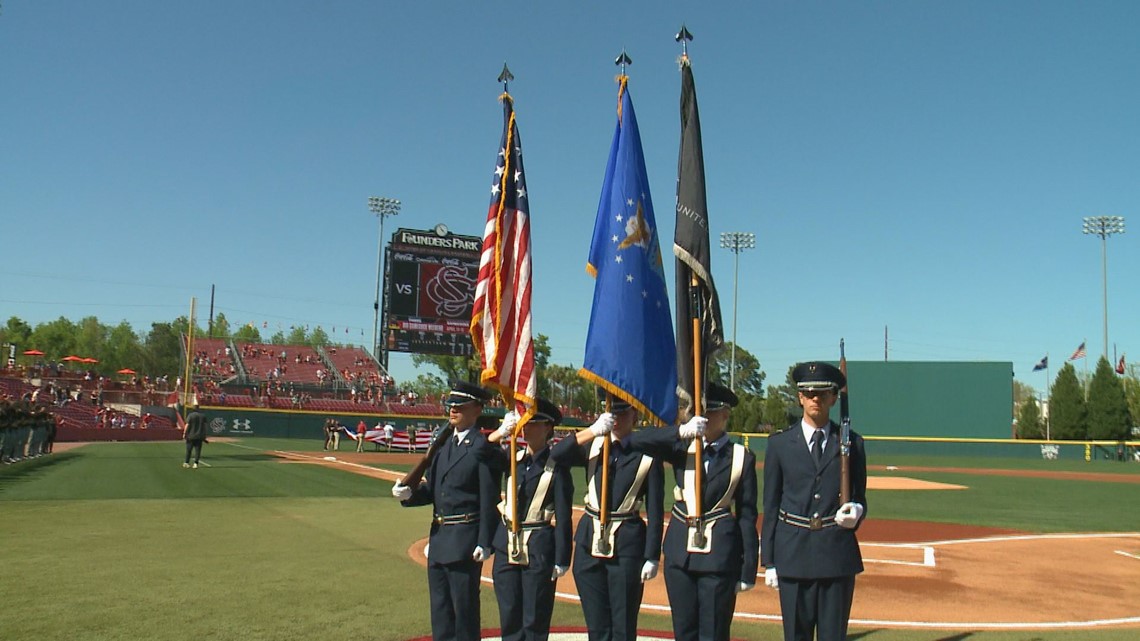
<point>604,499</point>
<point>1049,405</point>
<point>697,514</point>
<point>505,76</point>
<point>1084,341</point>
<point>696,510</point>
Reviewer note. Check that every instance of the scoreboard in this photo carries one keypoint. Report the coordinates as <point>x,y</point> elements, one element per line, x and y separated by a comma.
<point>429,292</point>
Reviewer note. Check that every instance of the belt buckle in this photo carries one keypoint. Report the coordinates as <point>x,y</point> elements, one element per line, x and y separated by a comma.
<point>437,519</point>
<point>816,523</point>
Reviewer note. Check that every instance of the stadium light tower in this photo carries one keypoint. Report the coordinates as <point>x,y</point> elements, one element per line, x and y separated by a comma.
<point>382,207</point>
<point>1104,226</point>
<point>736,241</point>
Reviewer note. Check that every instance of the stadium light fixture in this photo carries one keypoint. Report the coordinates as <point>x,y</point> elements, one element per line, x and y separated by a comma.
<point>1104,226</point>
<point>735,241</point>
<point>381,207</point>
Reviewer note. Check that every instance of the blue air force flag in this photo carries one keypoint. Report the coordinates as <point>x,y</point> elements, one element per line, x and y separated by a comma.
<point>629,344</point>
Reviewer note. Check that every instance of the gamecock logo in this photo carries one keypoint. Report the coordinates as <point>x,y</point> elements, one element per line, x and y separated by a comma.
<point>451,290</point>
<point>217,426</point>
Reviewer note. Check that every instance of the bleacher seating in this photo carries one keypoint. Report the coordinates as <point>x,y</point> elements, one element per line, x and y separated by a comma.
<point>300,364</point>
<point>15,388</point>
<point>213,359</point>
<point>355,364</point>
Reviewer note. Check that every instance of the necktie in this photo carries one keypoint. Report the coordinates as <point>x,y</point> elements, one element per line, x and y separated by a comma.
<point>710,454</point>
<point>817,446</point>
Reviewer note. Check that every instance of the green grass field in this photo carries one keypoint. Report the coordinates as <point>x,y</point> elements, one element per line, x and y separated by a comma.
<point>117,541</point>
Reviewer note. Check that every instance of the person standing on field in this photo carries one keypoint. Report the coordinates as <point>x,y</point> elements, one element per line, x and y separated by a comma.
<point>529,563</point>
<point>807,540</point>
<point>463,493</point>
<point>703,576</point>
<point>612,563</point>
<point>195,436</point>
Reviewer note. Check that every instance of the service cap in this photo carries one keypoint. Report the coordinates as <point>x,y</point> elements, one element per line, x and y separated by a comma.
<point>816,375</point>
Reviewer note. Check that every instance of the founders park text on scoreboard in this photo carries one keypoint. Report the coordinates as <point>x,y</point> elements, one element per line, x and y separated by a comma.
<point>429,291</point>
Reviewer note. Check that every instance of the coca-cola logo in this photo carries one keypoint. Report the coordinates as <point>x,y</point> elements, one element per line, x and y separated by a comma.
<point>450,290</point>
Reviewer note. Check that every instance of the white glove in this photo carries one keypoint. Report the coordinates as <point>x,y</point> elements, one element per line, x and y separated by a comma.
<point>741,586</point>
<point>510,421</point>
<point>848,515</point>
<point>478,555</point>
<point>648,571</point>
<point>693,428</point>
<point>559,570</point>
<point>604,425</point>
<point>401,491</point>
<point>771,579</point>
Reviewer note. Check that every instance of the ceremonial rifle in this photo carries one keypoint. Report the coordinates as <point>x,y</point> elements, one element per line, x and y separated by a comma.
<point>844,433</point>
<point>416,474</point>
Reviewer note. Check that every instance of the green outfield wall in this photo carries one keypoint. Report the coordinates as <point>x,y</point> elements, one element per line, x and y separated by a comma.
<point>236,421</point>
<point>939,399</point>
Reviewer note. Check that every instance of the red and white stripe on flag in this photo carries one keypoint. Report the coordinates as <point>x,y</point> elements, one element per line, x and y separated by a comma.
<point>1079,353</point>
<point>501,316</point>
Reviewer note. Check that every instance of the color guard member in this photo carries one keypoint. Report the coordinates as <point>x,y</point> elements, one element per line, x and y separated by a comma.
<point>528,564</point>
<point>611,566</point>
<point>463,493</point>
<point>808,542</point>
<point>703,576</point>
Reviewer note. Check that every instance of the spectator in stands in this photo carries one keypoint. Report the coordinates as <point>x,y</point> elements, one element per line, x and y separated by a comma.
<point>195,435</point>
<point>361,430</point>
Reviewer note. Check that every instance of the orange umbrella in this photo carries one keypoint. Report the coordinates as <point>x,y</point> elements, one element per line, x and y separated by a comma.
<point>127,370</point>
<point>89,360</point>
<point>71,358</point>
<point>33,352</point>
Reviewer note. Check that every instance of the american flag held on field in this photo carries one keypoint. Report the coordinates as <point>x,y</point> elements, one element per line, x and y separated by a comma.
<point>501,315</point>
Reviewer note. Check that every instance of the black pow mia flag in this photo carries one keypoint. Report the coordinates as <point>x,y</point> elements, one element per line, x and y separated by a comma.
<point>691,247</point>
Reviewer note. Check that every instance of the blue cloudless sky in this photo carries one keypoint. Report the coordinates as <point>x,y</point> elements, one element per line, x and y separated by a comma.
<point>915,167</point>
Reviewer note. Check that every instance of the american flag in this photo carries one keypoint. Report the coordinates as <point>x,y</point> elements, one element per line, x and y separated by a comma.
<point>500,318</point>
<point>1080,353</point>
<point>1120,365</point>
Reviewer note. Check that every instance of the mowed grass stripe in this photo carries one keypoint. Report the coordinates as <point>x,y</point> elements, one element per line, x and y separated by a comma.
<point>154,471</point>
<point>117,541</point>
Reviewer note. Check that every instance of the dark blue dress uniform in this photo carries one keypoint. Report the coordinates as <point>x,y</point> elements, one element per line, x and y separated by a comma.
<point>610,588</point>
<point>525,592</point>
<point>702,586</point>
<point>464,493</point>
<point>815,558</point>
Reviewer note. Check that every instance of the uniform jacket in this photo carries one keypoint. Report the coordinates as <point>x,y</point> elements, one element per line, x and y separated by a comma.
<point>735,541</point>
<point>456,483</point>
<point>793,483</point>
<point>548,546</point>
<point>637,538</point>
